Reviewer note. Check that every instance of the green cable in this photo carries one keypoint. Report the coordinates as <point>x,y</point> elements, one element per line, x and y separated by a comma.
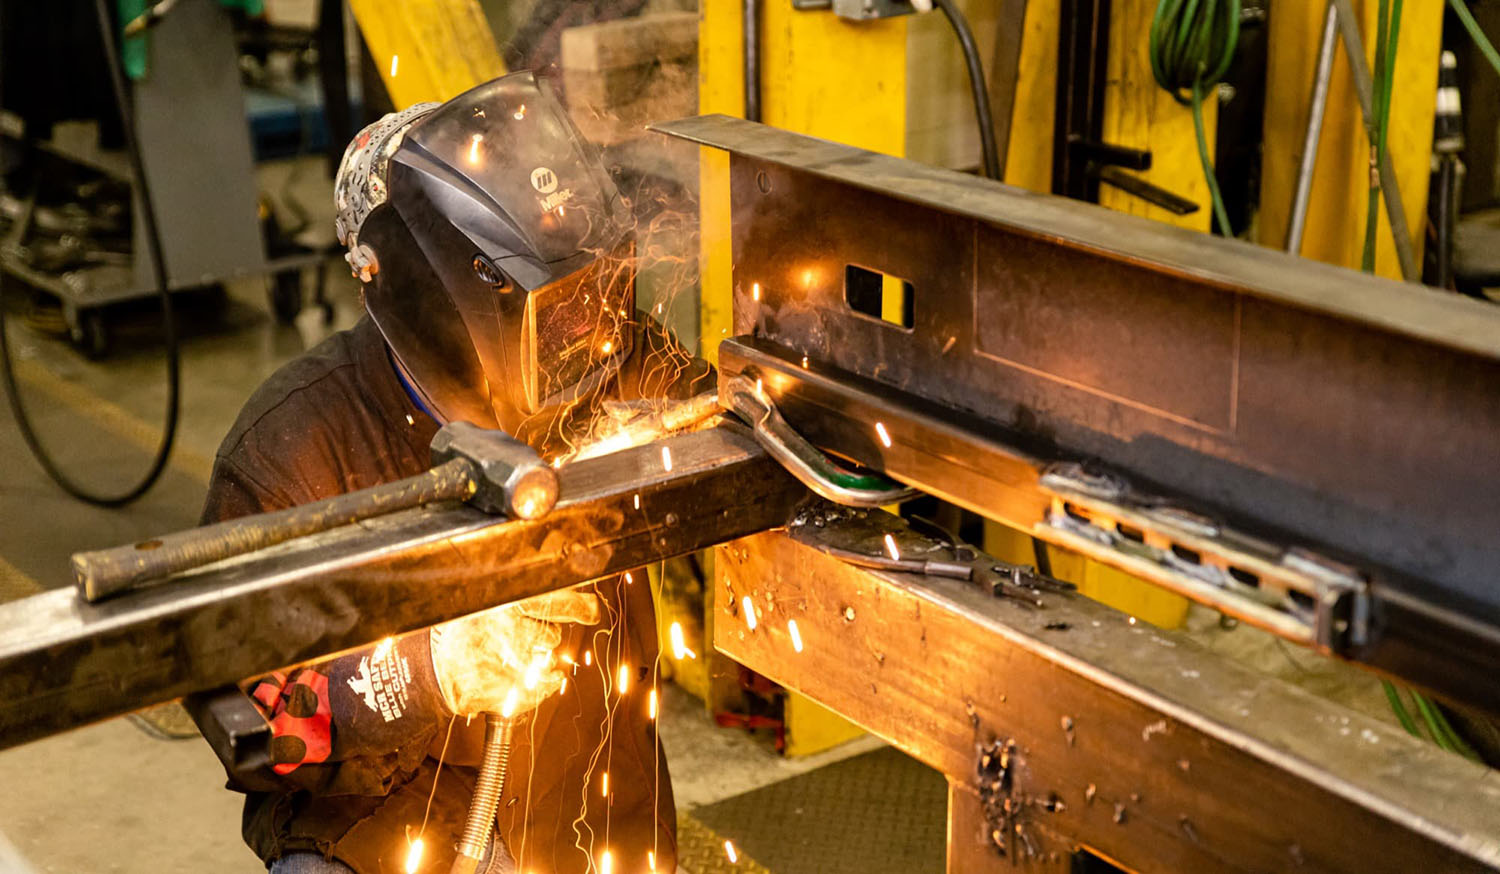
<point>1399,708</point>
<point>1439,724</point>
<point>1486,48</point>
<point>1388,29</point>
<point>1192,44</point>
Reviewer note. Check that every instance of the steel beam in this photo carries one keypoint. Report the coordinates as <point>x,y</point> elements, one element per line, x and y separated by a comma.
<point>65,662</point>
<point>1301,403</point>
<point>1071,726</point>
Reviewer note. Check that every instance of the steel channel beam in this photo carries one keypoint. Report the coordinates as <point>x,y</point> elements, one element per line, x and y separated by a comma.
<point>64,662</point>
<point>1351,414</point>
<point>996,472</point>
<point>1133,742</point>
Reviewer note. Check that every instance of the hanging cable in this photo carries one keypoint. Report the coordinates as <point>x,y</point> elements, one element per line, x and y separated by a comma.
<point>169,326</point>
<point>1486,48</point>
<point>977,87</point>
<point>1192,44</point>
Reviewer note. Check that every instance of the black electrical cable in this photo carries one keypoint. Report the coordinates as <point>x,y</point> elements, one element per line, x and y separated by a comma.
<point>169,324</point>
<point>981,92</point>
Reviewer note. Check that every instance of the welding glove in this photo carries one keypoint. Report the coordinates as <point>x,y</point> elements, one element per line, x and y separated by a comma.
<point>504,660</point>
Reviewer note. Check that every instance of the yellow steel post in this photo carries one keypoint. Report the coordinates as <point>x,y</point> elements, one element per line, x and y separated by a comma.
<point>428,49</point>
<point>1336,213</point>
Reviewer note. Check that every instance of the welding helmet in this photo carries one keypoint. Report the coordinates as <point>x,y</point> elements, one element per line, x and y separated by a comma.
<point>496,253</point>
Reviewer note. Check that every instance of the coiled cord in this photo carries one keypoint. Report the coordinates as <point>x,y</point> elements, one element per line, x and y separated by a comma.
<point>1192,45</point>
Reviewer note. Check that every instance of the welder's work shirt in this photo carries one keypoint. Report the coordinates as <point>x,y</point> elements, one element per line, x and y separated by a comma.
<point>352,764</point>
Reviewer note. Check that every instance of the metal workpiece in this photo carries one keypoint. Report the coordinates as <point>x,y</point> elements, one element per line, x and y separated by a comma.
<point>65,662</point>
<point>1266,578</point>
<point>741,395</point>
<point>1070,725</point>
<point>1308,404</point>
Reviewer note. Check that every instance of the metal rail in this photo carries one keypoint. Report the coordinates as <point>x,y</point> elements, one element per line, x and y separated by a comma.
<point>1071,727</point>
<point>65,662</point>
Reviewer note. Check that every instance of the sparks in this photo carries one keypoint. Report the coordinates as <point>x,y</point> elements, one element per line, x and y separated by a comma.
<point>588,658</point>
<point>651,704</point>
<point>394,60</point>
<point>628,578</point>
<point>604,785</point>
<point>624,679</point>
<point>890,546</point>
<point>607,346</point>
<point>885,436</point>
<point>564,687</point>
<point>474,148</point>
<point>755,290</point>
<point>638,501</point>
<point>666,458</point>
<point>760,389</point>
<point>749,611</point>
<point>508,709</point>
<point>651,860</point>
<point>680,649</point>
<point>414,853</point>
<point>410,420</point>
<point>791,628</point>
<point>734,856</point>
<point>520,112</point>
<point>382,649</point>
<point>804,362</point>
<point>606,863</point>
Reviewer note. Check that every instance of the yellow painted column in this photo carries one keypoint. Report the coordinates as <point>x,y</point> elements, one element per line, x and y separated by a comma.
<point>820,75</point>
<point>1336,214</point>
<point>428,49</point>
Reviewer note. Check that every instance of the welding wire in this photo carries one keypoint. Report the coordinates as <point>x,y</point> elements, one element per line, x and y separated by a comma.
<point>106,572</point>
<point>805,461</point>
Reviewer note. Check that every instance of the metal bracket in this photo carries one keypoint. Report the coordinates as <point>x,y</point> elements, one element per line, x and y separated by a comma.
<point>1287,590</point>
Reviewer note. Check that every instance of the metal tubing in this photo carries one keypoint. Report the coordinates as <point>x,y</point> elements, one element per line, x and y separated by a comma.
<point>752,59</point>
<point>1391,191</point>
<point>989,151</point>
<point>1316,110</point>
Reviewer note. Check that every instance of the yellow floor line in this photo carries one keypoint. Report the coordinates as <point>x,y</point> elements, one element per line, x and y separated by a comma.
<point>113,418</point>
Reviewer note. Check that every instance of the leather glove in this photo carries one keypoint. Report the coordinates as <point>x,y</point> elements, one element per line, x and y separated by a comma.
<point>503,660</point>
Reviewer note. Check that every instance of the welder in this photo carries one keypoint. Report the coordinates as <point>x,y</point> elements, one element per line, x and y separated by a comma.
<point>496,257</point>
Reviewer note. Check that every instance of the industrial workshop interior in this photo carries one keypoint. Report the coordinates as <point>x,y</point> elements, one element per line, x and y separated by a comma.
<point>762,436</point>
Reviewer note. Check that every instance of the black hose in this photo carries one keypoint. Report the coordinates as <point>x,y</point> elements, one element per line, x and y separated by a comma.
<point>977,85</point>
<point>169,324</point>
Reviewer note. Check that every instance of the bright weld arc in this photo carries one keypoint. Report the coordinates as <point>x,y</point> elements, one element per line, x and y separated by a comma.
<point>791,627</point>
<point>414,856</point>
<point>749,606</point>
<point>890,547</point>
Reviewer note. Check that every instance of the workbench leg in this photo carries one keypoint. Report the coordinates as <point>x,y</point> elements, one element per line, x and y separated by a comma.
<point>971,843</point>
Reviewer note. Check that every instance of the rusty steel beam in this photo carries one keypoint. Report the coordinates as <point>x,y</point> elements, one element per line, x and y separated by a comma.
<point>65,662</point>
<point>1071,726</point>
<point>1300,404</point>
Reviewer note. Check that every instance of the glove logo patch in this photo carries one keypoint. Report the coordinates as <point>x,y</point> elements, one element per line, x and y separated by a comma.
<point>543,180</point>
<point>382,681</point>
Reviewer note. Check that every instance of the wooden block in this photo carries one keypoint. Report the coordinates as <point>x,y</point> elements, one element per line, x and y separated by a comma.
<point>630,42</point>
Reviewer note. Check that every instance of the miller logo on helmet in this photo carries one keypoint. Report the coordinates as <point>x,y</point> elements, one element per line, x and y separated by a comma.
<point>544,180</point>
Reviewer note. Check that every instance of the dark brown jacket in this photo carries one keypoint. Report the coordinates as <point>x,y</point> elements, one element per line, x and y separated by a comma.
<point>337,419</point>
